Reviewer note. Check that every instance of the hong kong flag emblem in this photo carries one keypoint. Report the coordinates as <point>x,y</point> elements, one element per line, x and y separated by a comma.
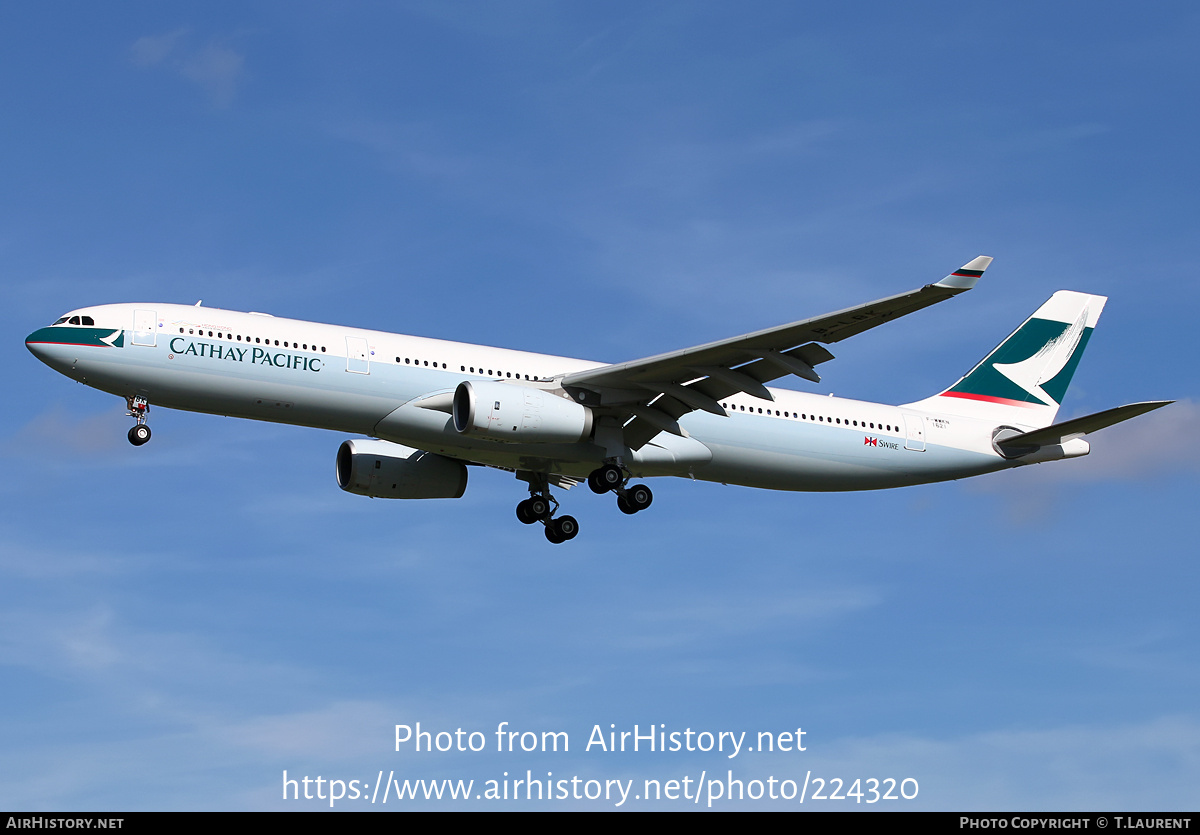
<point>870,441</point>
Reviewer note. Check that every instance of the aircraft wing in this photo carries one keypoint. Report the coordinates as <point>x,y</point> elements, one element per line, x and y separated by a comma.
<point>658,390</point>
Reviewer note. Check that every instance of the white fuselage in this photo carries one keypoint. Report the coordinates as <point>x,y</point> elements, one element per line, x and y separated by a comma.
<point>260,367</point>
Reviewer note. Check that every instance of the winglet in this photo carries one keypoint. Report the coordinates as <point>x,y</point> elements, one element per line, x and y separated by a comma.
<point>966,276</point>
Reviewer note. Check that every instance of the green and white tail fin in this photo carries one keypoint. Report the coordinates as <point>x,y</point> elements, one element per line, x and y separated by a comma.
<point>1023,380</point>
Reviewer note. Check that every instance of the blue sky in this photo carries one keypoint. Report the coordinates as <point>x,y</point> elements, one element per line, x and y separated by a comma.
<point>184,621</point>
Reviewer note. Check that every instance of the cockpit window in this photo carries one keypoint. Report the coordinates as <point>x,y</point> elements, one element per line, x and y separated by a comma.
<point>60,321</point>
<point>74,320</point>
<point>88,320</point>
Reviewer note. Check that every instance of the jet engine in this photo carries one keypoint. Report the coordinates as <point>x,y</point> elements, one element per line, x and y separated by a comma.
<point>504,412</point>
<point>384,470</point>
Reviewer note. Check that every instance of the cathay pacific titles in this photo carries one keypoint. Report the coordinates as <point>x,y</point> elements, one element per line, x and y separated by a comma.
<point>258,356</point>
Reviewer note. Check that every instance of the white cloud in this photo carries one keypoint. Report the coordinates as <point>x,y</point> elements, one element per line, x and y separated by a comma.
<point>408,150</point>
<point>87,435</point>
<point>214,67</point>
<point>155,49</point>
<point>1149,446</point>
<point>1145,446</point>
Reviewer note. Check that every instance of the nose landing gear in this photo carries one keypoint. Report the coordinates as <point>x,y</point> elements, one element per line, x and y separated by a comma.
<point>138,408</point>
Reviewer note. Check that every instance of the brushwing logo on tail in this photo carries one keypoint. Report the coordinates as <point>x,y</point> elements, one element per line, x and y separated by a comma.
<point>1031,368</point>
<point>1047,363</point>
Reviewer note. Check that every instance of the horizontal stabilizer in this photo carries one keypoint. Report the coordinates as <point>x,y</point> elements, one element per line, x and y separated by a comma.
<point>1068,430</point>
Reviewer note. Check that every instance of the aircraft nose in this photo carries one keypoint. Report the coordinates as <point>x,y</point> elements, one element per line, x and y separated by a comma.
<point>41,343</point>
<point>35,347</point>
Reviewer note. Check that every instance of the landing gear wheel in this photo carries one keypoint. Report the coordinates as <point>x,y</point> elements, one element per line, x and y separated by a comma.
<point>539,506</point>
<point>525,513</point>
<point>567,527</point>
<point>639,497</point>
<point>139,434</point>
<point>636,498</point>
<point>605,478</point>
<point>562,529</point>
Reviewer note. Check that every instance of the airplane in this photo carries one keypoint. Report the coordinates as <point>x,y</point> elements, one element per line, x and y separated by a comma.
<point>432,408</point>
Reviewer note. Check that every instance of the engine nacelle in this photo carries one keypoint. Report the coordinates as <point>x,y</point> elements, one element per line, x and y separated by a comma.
<point>504,412</point>
<point>384,470</point>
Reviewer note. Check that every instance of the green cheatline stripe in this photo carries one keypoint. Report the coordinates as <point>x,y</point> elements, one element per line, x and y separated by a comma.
<point>1030,338</point>
<point>92,337</point>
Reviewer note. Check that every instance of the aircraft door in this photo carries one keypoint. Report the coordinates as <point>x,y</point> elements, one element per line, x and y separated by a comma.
<point>358,355</point>
<point>145,328</point>
<point>914,432</point>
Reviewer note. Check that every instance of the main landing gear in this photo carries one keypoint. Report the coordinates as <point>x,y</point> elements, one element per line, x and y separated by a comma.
<point>537,508</point>
<point>138,408</point>
<point>541,507</point>
<point>629,499</point>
